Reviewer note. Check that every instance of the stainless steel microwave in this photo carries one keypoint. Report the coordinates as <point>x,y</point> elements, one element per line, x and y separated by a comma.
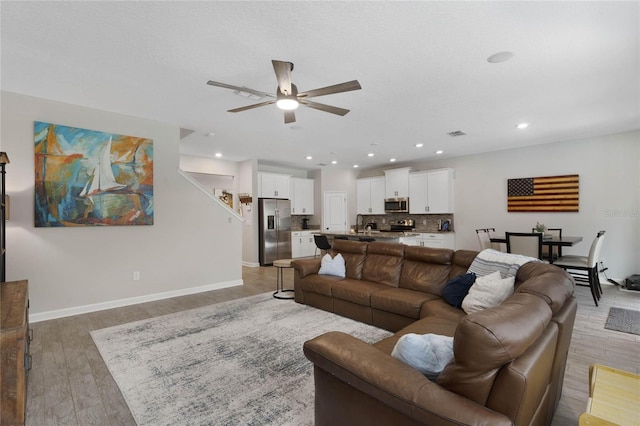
<point>396,205</point>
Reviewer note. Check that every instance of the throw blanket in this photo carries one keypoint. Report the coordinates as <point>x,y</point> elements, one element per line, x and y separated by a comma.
<point>507,264</point>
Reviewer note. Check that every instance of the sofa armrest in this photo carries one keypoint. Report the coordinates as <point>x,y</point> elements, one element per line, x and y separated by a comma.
<point>306,266</point>
<point>394,383</point>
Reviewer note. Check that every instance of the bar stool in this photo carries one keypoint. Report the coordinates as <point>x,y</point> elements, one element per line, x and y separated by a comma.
<point>281,264</point>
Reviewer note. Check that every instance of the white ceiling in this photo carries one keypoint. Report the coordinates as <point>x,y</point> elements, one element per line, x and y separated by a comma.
<point>422,67</point>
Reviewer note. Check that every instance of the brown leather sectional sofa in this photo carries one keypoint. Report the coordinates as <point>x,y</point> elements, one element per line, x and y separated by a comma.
<point>508,364</point>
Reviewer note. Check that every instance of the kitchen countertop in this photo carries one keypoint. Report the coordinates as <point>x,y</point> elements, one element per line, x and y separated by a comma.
<point>373,234</point>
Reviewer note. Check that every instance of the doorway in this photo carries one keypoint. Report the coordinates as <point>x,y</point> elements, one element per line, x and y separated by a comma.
<point>334,212</point>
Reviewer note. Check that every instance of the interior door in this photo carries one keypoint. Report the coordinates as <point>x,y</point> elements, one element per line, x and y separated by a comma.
<point>334,212</point>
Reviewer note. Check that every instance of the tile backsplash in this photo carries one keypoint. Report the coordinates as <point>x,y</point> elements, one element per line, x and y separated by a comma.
<point>423,222</point>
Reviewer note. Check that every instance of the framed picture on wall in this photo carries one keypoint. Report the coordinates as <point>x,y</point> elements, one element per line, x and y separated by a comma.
<point>91,178</point>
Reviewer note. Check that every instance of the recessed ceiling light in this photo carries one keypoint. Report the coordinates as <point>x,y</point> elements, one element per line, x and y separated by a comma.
<point>371,154</point>
<point>439,151</point>
<point>211,134</point>
<point>522,125</point>
<point>218,154</point>
<point>419,145</point>
<point>392,159</point>
<point>499,57</point>
<point>355,166</point>
<point>334,162</point>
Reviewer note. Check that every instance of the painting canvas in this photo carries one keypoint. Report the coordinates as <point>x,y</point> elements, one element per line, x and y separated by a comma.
<point>91,178</point>
<point>544,194</point>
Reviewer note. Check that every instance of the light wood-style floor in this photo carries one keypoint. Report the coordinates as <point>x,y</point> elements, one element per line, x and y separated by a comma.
<point>69,383</point>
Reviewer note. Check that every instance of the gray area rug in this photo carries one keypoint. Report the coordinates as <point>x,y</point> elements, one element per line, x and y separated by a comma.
<point>625,320</point>
<point>235,363</point>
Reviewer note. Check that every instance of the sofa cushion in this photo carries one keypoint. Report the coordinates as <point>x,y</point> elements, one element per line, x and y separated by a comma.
<point>489,260</point>
<point>550,283</point>
<point>440,308</point>
<point>320,284</point>
<point>433,325</point>
<point>356,291</point>
<point>425,269</point>
<point>457,288</point>
<point>354,253</point>
<point>400,301</point>
<point>332,266</point>
<point>383,263</point>
<point>488,291</point>
<point>461,261</point>
<point>427,353</point>
<point>486,340</point>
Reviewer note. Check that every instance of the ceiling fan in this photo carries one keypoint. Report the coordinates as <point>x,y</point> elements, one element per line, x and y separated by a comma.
<point>287,96</point>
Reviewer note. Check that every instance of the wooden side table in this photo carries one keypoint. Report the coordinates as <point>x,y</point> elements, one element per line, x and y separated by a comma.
<point>614,397</point>
<point>281,264</point>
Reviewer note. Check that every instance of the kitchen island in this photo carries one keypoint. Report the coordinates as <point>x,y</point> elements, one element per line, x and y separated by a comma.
<point>387,237</point>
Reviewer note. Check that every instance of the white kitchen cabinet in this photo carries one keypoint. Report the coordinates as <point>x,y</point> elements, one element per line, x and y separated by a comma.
<point>296,245</point>
<point>308,244</point>
<point>397,183</point>
<point>370,195</point>
<point>410,241</point>
<point>431,191</point>
<point>301,196</point>
<point>437,240</point>
<point>273,185</point>
<point>302,244</point>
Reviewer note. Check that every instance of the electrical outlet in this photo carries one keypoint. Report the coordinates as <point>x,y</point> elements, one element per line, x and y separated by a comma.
<point>424,221</point>
<point>384,221</point>
<point>136,276</point>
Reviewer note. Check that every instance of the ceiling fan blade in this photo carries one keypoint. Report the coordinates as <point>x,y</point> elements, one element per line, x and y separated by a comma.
<point>289,117</point>
<point>323,107</point>
<point>245,108</point>
<point>336,88</point>
<point>240,89</point>
<point>283,74</point>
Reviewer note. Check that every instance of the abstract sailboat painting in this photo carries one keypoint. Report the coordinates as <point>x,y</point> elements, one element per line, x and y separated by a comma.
<point>91,178</point>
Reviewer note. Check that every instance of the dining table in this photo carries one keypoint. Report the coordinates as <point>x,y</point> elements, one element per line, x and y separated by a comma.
<point>552,241</point>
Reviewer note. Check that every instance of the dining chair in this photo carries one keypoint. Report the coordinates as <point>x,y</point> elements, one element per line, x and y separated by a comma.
<point>322,243</point>
<point>527,244</point>
<point>585,268</point>
<point>492,233</point>
<point>484,238</point>
<point>555,250</point>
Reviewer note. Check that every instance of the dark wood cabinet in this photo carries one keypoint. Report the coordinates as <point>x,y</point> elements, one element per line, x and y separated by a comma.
<point>14,351</point>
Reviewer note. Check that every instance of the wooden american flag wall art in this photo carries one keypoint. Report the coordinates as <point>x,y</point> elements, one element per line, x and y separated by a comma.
<point>543,194</point>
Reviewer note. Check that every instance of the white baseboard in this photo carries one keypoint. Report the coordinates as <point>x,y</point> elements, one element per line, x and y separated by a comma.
<point>251,264</point>
<point>77,310</point>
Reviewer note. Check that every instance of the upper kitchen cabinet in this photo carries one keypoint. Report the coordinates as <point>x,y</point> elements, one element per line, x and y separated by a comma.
<point>301,196</point>
<point>273,185</point>
<point>370,195</point>
<point>397,183</point>
<point>431,191</point>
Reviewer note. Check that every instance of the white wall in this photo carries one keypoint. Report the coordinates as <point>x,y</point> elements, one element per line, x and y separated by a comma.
<point>248,184</point>
<point>194,243</point>
<point>609,169</point>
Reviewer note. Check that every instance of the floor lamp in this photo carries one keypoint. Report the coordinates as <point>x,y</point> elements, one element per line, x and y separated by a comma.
<point>4,160</point>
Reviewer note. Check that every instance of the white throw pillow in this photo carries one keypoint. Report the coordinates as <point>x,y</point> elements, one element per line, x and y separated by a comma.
<point>335,266</point>
<point>488,291</point>
<point>427,353</point>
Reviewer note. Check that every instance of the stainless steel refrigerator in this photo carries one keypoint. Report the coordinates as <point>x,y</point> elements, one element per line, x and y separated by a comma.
<point>275,230</point>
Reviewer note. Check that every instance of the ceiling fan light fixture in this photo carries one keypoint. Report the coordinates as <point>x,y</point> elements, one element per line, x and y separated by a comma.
<point>287,102</point>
